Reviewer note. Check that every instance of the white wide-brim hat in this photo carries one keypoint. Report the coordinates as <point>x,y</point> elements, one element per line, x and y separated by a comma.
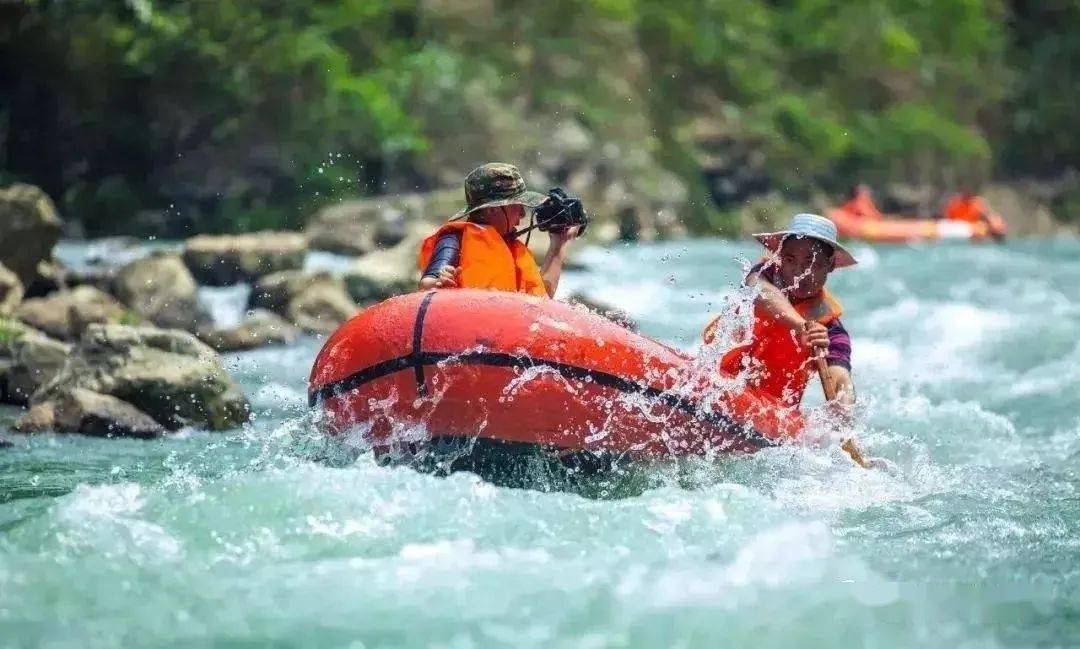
<point>814,227</point>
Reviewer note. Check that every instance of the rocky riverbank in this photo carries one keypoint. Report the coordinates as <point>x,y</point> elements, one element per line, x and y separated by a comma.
<point>124,344</point>
<point>112,351</point>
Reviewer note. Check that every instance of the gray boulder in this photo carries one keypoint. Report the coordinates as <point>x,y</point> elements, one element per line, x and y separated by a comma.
<point>38,419</point>
<point>1027,205</point>
<point>389,272</point>
<point>315,302</point>
<point>29,229</point>
<point>357,227</point>
<point>53,276</point>
<point>167,374</point>
<point>90,413</point>
<point>227,259</point>
<point>259,329</point>
<point>66,314</point>
<point>50,276</point>
<point>28,360</point>
<point>161,289</point>
<point>11,291</point>
<point>566,145</point>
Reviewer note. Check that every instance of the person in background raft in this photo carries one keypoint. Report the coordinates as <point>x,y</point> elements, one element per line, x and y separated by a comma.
<point>861,204</point>
<point>483,251</point>
<point>971,208</point>
<point>795,316</point>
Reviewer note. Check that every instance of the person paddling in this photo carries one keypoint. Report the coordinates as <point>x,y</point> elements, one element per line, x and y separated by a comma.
<point>969,207</point>
<point>796,318</point>
<point>483,251</point>
<point>794,314</point>
<point>860,204</point>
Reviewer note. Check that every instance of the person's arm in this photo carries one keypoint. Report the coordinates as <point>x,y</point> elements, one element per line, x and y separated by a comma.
<point>838,358</point>
<point>845,388</point>
<point>551,271</point>
<point>994,222</point>
<point>772,303</point>
<point>441,271</point>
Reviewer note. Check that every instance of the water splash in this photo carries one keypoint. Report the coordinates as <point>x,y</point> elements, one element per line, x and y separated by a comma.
<point>239,538</point>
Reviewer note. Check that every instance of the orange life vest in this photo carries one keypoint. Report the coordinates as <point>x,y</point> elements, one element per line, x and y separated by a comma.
<point>862,206</point>
<point>971,209</point>
<point>488,260</point>
<point>777,361</point>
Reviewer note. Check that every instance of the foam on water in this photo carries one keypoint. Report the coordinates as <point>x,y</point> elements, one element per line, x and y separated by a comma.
<point>965,363</point>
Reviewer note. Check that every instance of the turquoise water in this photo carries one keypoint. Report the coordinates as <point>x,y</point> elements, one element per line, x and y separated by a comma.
<point>967,364</point>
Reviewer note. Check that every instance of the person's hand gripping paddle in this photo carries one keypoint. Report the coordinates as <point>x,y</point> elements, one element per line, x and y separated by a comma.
<point>848,444</point>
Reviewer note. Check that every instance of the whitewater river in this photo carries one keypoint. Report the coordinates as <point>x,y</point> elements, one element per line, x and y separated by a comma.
<point>967,364</point>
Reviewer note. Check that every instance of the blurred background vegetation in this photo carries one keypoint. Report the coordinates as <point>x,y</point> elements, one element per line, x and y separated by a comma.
<point>142,116</point>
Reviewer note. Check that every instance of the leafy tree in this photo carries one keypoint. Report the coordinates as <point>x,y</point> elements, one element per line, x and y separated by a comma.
<point>187,115</point>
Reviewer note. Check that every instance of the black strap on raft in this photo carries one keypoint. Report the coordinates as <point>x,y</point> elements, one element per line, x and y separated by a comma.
<point>418,360</point>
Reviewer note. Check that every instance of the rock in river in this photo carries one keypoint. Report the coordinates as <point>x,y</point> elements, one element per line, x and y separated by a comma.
<point>29,228</point>
<point>388,272</point>
<point>259,329</point>
<point>162,290</point>
<point>167,374</point>
<point>11,291</point>
<point>90,413</point>
<point>315,302</point>
<point>66,314</point>
<point>37,419</point>
<point>28,360</point>
<point>357,227</point>
<point>227,259</point>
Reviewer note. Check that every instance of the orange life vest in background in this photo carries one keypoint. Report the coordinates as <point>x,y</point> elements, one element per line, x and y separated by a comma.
<point>488,260</point>
<point>778,363</point>
<point>862,206</point>
<point>971,209</point>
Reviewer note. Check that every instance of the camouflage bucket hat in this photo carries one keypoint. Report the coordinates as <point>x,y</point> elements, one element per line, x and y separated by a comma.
<point>494,185</point>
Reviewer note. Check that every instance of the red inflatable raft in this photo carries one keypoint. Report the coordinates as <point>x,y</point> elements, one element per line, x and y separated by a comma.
<point>514,368</point>
<point>901,230</point>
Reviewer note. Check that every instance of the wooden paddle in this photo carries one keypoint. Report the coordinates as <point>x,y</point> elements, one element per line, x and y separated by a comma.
<point>827,386</point>
<point>826,381</point>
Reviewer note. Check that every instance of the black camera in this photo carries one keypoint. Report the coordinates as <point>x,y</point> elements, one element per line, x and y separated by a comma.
<point>560,212</point>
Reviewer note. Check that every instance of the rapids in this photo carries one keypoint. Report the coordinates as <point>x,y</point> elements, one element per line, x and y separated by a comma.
<point>967,365</point>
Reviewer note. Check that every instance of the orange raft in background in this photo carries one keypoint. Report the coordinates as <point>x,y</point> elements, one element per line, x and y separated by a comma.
<point>505,366</point>
<point>903,230</point>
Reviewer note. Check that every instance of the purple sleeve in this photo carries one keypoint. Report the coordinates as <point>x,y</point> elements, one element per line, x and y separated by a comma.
<point>839,346</point>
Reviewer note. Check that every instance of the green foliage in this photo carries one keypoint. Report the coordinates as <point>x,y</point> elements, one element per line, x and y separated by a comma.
<point>827,88</point>
<point>1040,118</point>
<point>10,331</point>
<point>239,114</point>
<point>1068,205</point>
<point>130,319</point>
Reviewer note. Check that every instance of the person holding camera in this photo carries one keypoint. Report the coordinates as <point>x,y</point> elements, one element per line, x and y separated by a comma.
<point>483,250</point>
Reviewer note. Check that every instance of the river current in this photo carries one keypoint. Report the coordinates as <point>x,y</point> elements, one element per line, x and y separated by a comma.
<point>967,365</point>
